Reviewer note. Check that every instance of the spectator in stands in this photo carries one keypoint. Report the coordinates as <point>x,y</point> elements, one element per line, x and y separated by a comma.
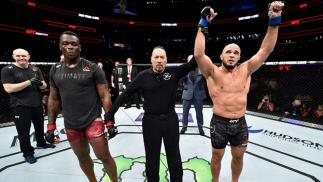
<point>116,80</point>
<point>100,64</point>
<point>318,114</point>
<point>129,74</point>
<point>266,104</point>
<point>294,109</point>
<point>305,110</point>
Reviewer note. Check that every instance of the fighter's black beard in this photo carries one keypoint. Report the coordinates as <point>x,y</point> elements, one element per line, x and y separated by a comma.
<point>229,67</point>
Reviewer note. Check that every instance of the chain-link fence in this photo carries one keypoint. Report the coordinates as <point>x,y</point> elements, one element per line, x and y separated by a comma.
<point>281,83</point>
<point>284,84</point>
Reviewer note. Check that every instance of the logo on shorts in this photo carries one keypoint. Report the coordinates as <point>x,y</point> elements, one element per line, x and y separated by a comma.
<point>167,76</point>
<point>233,121</point>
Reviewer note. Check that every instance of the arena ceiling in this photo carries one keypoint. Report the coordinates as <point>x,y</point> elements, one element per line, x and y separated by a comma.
<point>145,23</point>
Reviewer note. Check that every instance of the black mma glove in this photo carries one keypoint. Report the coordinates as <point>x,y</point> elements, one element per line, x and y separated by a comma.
<point>207,14</point>
<point>51,136</point>
<point>111,129</point>
<point>35,82</point>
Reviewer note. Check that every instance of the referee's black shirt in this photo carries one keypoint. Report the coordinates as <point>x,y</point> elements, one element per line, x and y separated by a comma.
<point>158,89</point>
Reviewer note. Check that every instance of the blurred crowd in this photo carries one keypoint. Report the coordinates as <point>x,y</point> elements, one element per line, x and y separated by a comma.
<point>295,91</point>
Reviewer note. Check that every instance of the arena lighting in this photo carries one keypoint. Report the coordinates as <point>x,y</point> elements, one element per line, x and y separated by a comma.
<point>88,16</point>
<point>152,2</point>
<point>32,4</point>
<point>46,8</point>
<point>147,24</point>
<point>64,25</point>
<point>281,68</point>
<point>301,33</point>
<point>56,25</point>
<point>168,24</point>
<point>294,22</point>
<point>41,34</point>
<point>120,45</point>
<point>34,32</point>
<point>71,26</point>
<point>292,62</point>
<point>303,20</point>
<point>303,5</point>
<point>248,17</point>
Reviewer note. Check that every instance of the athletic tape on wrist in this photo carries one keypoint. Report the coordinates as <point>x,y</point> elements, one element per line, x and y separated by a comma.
<point>203,22</point>
<point>51,126</point>
<point>275,21</point>
<point>109,123</point>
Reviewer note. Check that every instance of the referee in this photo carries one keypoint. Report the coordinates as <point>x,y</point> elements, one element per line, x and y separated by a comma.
<point>158,86</point>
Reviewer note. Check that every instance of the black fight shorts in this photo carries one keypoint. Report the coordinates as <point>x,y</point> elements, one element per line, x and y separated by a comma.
<point>224,130</point>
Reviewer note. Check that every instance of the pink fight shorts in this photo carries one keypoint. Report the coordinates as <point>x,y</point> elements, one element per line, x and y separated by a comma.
<point>94,130</point>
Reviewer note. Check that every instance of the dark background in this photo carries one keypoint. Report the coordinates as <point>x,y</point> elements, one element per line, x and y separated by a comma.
<point>139,28</point>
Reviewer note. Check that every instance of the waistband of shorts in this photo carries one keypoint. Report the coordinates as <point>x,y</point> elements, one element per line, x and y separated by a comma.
<point>229,120</point>
<point>160,115</point>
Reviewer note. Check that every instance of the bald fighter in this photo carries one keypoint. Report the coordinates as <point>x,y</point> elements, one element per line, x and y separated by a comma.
<point>228,87</point>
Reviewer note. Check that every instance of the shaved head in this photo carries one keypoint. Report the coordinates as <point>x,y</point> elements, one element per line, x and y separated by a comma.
<point>230,55</point>
<point>231,46</point>
<point>20,51</point>
<point>21,56</point>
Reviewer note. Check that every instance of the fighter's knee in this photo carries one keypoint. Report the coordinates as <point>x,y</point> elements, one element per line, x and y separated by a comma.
<point>237,158</point>
<point>216,158</point>
<point>83,156</point>
<point>105,158</point>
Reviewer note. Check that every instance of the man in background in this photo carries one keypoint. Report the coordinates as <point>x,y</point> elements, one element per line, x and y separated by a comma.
<point>193,93</point>
<point>129,74</point>
<point>23,83</point>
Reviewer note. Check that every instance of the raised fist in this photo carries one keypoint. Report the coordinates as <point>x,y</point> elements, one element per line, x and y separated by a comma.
<point>207,14</point>
<point>275,9</point>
